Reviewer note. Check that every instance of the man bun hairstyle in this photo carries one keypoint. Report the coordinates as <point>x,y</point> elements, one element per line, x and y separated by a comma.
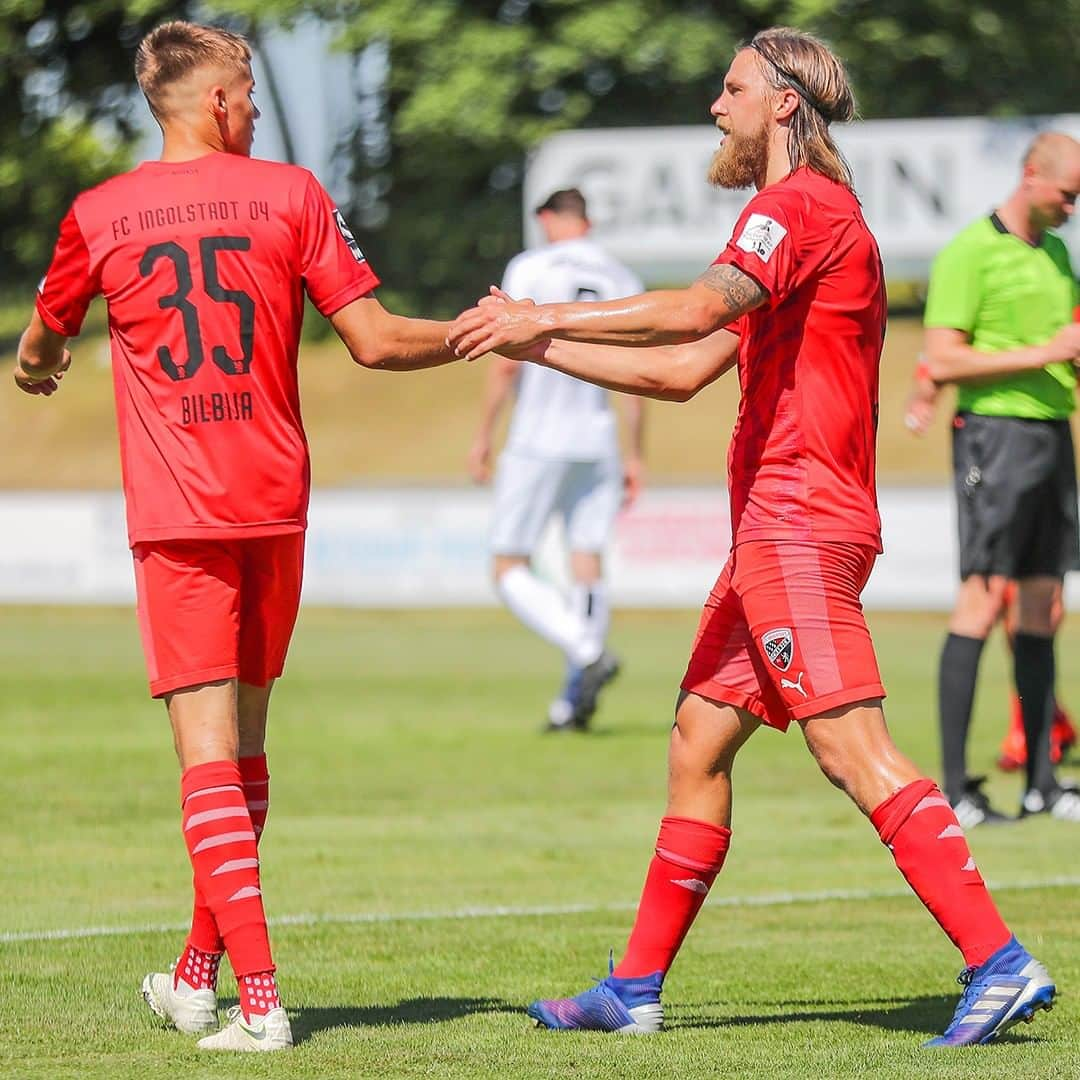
<point>794,60</point>
<point>170,52</point>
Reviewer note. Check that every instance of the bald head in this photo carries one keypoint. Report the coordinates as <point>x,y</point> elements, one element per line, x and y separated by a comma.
<point>1053,153</point>
<point>1049,181</point>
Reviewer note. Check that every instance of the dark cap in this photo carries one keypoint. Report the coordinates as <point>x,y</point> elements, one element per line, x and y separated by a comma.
<point>564,201</point>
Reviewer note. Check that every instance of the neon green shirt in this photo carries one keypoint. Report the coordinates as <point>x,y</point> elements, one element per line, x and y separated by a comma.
<point>1006,294</point>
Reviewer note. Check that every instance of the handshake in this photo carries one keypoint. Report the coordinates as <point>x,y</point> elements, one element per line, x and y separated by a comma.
<point>518,329</point>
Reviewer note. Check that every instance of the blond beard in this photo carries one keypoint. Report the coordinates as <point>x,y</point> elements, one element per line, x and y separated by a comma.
<point>741,161</point>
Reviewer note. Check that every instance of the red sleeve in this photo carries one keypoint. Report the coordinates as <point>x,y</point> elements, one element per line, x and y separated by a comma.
<point>70,283</point>
<point>769,243</point>
<point>333,267</point>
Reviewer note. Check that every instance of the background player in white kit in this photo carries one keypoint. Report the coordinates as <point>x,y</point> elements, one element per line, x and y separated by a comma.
<point>561,458</point>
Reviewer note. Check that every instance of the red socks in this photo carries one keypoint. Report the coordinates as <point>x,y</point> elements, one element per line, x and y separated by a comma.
<point>221,842</point>
<point>258,993</point>
<point>918,825</point>
<point>688,857</point>
<point>204,937</point>
<point>197,968</point>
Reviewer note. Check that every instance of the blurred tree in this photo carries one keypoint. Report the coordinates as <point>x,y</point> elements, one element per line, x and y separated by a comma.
<point>468,88</point>
<point>453,94</point>
<point>941,58</point>
<point>66,75</point>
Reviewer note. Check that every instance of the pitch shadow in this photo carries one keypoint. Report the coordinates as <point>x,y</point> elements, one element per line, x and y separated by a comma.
<point>929,1014</point>
<point>308,1020</point>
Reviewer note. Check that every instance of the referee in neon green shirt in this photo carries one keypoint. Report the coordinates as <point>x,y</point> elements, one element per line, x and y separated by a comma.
<point>999,324</point>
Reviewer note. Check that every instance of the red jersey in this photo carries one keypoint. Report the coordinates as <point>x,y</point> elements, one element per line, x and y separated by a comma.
<point>801,462</point>
<point>204,265</point>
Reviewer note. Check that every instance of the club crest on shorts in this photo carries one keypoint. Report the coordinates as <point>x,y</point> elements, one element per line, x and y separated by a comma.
<point>779,644</point>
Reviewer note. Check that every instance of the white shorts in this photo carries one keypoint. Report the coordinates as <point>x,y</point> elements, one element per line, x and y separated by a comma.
<point>530,490</point>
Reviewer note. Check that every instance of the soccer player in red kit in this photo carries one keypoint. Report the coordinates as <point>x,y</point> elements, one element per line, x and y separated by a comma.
<point>782,636</point>
<point>204,258</point>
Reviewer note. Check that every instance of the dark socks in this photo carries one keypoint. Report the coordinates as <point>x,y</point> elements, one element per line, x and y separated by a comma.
<point>1034,659</point>
<point>957,675</point>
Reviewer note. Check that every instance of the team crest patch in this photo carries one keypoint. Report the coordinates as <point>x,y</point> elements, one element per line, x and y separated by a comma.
<point>347,236</point>
<point>761,235</point>
<point>779,645</point>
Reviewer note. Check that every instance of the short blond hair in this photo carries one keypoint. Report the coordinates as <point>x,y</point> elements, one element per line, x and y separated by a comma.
<point>172,51</point>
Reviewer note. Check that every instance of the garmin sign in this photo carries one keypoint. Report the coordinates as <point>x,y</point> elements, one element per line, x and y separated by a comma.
<point>920,181</point>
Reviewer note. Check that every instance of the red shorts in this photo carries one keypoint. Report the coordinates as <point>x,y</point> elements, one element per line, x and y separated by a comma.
<point>783,635</point>
<point>217,609</point>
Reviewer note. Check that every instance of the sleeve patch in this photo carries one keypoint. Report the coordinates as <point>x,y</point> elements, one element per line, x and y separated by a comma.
<point>761,236</point>
<point>347,236</point>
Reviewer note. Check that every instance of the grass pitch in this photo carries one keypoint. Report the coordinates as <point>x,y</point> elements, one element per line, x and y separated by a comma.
<point>433,863</point>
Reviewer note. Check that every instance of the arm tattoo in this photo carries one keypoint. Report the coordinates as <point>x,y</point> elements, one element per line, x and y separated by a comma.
<point>740,291</point>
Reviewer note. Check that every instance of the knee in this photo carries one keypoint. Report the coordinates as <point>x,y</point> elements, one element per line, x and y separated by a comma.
<point>979,606</point>
<point>694,759</point>
<point>1040,608</point>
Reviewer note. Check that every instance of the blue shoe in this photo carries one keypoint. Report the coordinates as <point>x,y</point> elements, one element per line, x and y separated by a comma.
<point>593,679</point>
<point>1011,986</point>
<point>563,710</point>
<point>628,1006</point>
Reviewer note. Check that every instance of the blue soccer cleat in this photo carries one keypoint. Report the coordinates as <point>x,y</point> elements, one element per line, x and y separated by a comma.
<point>562,712</point>
<point>1011,986</point>
<point>627,1006</point>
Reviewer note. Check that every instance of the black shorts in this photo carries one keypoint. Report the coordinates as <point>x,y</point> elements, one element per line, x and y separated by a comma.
<point>1016,496</point>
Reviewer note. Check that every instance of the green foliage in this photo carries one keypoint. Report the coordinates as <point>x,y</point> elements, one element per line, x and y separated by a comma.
<point>66,80</point>
<point>474,85</point>
<point>939,58</point>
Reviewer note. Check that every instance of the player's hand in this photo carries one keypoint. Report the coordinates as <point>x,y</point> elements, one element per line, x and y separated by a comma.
<point>44,387</point>
<point>496,324</point>
<point>921,406</point>
<point>479,460</point>
<point>633,481</point>
<point>1065,344</point>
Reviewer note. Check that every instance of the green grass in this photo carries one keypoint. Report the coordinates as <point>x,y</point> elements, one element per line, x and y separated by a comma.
<point>409,779</point>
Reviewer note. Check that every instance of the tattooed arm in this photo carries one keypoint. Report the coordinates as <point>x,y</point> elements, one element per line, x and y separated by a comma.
<point>666,317</point>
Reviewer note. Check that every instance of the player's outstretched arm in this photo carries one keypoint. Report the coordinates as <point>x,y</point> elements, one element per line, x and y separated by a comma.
<point>666,372</point>
<point>42,359</point>
<point>665,317</point>
<point>378,339</point>
<point>951,358</point>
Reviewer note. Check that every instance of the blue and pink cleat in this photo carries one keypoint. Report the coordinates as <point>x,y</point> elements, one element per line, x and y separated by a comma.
<point>1009,987</point>
<point>627,1006</point>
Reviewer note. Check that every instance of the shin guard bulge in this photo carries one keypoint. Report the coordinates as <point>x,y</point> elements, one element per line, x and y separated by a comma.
<point>919,827</point>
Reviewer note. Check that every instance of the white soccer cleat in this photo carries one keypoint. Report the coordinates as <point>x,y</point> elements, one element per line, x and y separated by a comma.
<point>191,1011</point>
<point>265,1033</point>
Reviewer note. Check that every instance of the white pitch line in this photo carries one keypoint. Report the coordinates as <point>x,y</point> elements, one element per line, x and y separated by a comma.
<point>541,911</point>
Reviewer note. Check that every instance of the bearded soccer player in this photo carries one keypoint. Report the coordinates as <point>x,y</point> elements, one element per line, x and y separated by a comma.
<point>782,637</point>
<point>204,258</point>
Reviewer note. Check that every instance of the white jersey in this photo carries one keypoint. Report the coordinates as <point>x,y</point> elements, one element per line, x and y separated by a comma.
<point>556,415</point>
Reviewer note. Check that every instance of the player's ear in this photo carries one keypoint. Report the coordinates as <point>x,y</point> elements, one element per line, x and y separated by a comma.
<point>220,102</point>
<point>787,101</point>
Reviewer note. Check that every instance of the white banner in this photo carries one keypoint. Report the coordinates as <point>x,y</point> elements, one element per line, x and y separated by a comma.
<point>920,182</point>
<point>428,548</point>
